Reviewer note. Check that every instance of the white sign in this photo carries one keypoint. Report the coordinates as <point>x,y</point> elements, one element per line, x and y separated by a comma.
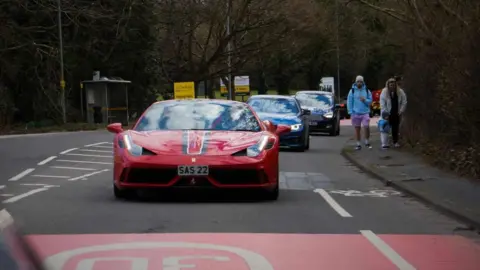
<point>242,85</point>
<point>327,84</point>
<point>372,193</point>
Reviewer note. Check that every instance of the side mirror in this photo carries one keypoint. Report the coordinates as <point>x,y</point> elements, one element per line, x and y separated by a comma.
<point>270,126</point>
<point>306,112</point>
<point>282,129</point>
<point>115,127</point>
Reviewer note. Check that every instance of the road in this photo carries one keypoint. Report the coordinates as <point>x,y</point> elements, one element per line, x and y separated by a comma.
<point>329,215</point>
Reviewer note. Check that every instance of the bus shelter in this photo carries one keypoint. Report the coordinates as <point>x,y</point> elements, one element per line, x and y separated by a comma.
<point>106,101</point>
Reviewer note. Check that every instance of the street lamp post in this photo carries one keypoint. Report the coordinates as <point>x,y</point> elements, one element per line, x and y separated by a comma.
<point>229,49</point>
<point>62,75</point>
<point>338,49</point>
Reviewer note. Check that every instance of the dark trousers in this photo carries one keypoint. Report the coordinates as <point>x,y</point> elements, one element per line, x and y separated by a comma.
<point>395,124</point>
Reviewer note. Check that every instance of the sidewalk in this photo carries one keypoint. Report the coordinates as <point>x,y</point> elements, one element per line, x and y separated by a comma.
<point>447,192</point>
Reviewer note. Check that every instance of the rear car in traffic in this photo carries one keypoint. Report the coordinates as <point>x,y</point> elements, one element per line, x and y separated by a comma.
<point>325,114</point>
<point>284,110</point>
<point>197,144</point>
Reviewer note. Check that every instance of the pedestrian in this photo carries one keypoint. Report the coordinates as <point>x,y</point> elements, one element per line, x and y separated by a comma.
<point>358,105</point>
<point>384,129</point>
<point>394,101</point>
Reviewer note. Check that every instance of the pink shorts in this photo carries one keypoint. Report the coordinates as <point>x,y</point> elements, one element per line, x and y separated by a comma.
<point>361,120</point>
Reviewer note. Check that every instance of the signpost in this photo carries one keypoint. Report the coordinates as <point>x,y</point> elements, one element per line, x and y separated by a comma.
<point>242,86</point>
<point>327,84</point>
<point>184,90</point>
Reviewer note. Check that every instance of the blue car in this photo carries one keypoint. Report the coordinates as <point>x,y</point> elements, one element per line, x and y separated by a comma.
<point>284,110</point>
<point>325,114</point>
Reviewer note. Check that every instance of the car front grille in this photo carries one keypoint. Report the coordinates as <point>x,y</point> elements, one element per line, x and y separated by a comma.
<point>151,175</point>
<point>238,177</point>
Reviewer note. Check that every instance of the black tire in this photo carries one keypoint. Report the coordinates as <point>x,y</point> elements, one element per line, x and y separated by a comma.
<point>122,194</point>
<point>307,143</point>
<point>272,195</point>
<point>338,131</point>
<point>333,131</point>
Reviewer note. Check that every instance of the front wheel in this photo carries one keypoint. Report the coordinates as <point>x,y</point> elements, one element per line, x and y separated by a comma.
<point>122,194</point>
<point>272,195</point>
<point>307,141</point>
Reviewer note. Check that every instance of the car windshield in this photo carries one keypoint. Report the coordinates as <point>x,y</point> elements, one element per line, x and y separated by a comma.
<point>318,101</point>
<point>274,105</point>
<point>198,116</point>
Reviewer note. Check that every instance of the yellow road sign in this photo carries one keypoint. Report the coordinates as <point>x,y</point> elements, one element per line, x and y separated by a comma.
<point>184,90</point>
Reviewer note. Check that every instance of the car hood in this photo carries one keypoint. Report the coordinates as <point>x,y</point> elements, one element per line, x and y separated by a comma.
<point>280,119</point>
<point>195,142</point>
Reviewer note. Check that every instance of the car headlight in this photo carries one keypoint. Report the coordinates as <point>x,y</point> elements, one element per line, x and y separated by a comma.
<point>132,148</point>
<point>264,143</point>
<point>328,115</point>
<point>295,127</point>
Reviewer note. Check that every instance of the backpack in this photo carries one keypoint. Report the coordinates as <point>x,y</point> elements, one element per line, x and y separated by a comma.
<point>353,90</point>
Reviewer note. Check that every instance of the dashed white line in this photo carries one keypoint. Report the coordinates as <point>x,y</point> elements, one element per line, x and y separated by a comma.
<point>102,146</point>
<point>6,195</point>
<point>87,175</point>
<point>84,155</point>
<point>387,251</point>
<point>2,187</point>
<point>95,144</point>
<point>82,161</point>
<point>339,209</point>
<point>50,176</point>
<point>93,150</point>
<point>45,161</point>
<point>24,195</point>
<point>41,185</point>
<point>21,175</point>
<point>68,151</point>
<point>73,168</point>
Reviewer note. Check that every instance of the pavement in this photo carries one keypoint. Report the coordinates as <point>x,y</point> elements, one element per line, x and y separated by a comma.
<point>456,196</point>
<point>330,215</point>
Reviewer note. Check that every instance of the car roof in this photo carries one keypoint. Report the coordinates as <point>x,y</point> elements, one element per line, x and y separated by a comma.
<point>315,92</point>
<point>273,96</point>
<point>200,100</point>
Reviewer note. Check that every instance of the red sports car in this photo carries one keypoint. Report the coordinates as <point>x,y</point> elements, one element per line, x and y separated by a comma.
<point>197,143</point>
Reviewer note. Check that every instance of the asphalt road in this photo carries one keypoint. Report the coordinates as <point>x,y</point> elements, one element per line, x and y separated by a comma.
<point>58,187</point>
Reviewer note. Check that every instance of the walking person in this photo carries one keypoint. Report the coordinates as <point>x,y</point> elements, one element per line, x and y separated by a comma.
<point>394,101</point>
<point>358,105</point>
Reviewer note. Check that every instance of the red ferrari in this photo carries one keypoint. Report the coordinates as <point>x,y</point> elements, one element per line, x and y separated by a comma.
<point>197,143</point>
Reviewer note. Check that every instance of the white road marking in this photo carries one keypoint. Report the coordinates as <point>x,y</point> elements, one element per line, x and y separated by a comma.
<point>45,161</point>
<point>21,175</point>
<point>93,150</point>
<point>387,251</point>
<point>41,185</point>
<point>339,209</point>
<point>87,175</point>
<point>102,146</point>
<point>24,195</point>
<point>50,176</point>
<point>6,195</point>
<point>73,168</point>
<point>95,144</point>
<point>5,219</point>
<point>68,151</point>
<point>2,187</point>
<point>84,155</point>
<point>81,161</point>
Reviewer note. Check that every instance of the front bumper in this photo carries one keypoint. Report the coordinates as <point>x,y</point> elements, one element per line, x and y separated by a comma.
<point>292,139</point>
<point>321,124</point>
<point>225,172</point>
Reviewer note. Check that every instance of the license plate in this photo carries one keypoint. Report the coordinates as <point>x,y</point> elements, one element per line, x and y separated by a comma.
<point>312,123</point>
<point>192,170</point>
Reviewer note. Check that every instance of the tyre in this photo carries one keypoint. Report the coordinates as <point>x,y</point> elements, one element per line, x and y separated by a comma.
<point>272,195</point>
<point>338,131</point>
<point>122,194</point>
<point>307,141</point>
<point>333,131</point>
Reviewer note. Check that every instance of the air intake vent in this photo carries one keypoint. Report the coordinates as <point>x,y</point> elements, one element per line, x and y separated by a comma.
<point>146,152</point>
<point>240,153</point>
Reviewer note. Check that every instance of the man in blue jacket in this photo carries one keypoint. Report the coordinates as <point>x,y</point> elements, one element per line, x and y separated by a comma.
<point>358,104</point>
